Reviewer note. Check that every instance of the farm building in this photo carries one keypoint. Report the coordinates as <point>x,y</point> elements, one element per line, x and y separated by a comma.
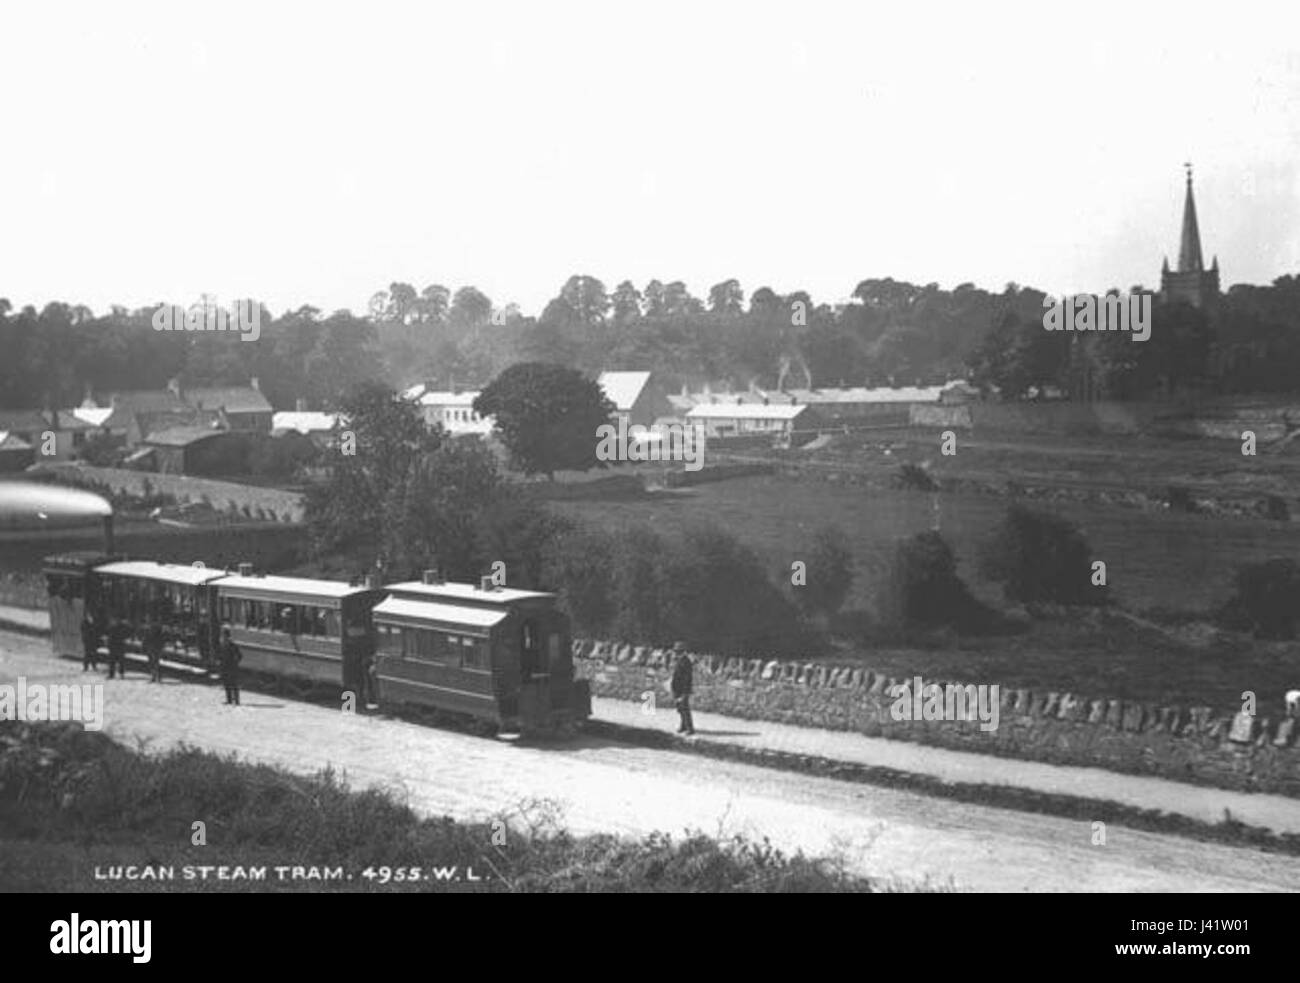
<point>636,397</point>
<point>321,428</point>
<point>16,454</point>
<point>26,425</point>
<point>241,407</point>
<point>196,451</point>
<point>780,421</point>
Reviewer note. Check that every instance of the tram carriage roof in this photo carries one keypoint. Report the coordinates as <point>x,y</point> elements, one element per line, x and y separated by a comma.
<point>172,573</point>
<point>296,590</point>
<point>466,592</point>
<point>403,611</point>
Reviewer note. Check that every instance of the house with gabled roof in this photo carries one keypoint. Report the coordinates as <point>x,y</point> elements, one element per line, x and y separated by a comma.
<point>637,398</point>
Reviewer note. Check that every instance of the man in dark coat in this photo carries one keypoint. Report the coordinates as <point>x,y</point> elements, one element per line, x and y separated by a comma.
<point>153,646</point>
<point>683,677</point>
<point>89,643</point>
<point>118,631</point>
<point>228,659</point>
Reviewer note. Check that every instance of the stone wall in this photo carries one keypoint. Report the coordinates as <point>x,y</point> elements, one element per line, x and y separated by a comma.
<point>1192,744</point>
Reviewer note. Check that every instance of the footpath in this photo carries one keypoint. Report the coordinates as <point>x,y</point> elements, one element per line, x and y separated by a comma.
<point>1084,793</point>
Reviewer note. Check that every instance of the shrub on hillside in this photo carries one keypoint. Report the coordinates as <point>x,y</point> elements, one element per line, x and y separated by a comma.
<point>580,567</point>
<point>1038,557</point>
<point>913,477</point>
<point>922,589</point>
<point>1266,599</point>
<point>1179,499</point>
<point>828,574</point>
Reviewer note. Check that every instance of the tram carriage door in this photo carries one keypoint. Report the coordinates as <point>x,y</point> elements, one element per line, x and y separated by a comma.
<point>530,651</point>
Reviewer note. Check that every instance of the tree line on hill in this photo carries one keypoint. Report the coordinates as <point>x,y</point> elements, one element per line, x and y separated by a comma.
<point>888,331</point>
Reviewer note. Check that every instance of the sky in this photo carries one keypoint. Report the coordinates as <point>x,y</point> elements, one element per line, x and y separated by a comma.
<point>315,153</point>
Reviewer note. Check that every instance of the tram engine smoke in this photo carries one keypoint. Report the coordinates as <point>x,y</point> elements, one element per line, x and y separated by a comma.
<point>25,504</point>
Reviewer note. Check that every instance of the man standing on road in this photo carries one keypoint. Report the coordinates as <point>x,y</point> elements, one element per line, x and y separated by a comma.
<point>89,643</point>
<point>683,676</point>
<point>228,658</point>
<point>118,631</point>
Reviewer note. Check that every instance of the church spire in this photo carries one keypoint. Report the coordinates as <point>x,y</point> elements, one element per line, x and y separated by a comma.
<point>1189,251</point>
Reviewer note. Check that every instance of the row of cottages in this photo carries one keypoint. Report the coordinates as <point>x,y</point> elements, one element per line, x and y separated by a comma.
<point>824,408</point>
<point>171,429</point>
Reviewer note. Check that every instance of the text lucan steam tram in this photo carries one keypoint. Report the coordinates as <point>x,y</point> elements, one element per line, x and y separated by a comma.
<point>496,654</point>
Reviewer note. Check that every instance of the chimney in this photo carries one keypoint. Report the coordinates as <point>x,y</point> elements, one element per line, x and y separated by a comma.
<point>253,382</point>
<point>88,398</point>
<point>368,581</point>
<point>245,570</point>
<point>174,387</point>
<point>300,405</point>
<point>485,584</point>
<point>430,577</point>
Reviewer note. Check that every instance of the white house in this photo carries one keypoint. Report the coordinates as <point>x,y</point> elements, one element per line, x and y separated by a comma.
<point>455,412</point>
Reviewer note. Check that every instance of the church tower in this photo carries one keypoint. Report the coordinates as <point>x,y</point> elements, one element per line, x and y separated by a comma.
<point>1191,282</point>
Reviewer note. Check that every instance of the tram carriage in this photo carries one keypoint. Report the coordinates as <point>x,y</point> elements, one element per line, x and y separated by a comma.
<point>495,653</point>
<point>73,590</point>
<point>295,628</point>
<point>182,597</point>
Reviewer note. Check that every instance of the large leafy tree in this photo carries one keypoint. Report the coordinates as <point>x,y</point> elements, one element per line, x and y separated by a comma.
<point>382,440</point>
<point>547,416</point>
<point>726,297</point>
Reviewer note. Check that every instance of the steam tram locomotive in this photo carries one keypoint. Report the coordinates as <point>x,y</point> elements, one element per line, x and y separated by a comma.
<point>496,654</point>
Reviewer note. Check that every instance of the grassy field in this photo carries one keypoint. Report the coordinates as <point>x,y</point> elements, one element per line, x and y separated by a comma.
<point>71,800</point>
<point>1155,561</point>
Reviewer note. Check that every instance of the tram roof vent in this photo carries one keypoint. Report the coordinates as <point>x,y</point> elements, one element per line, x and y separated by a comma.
<point>430,577</point>
<point>245,569</point>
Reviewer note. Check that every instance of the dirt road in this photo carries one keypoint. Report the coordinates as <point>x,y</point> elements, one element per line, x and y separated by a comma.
<point>602,786</point>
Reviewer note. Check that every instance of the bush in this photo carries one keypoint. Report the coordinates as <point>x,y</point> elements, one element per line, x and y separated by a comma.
<point>913,477</point>
<point>1277,508</point>
<point>829,574</point>
<point>1179,499</point>
<point>922,588</point>
<point>1038,557</point>
<point>1266,600</point>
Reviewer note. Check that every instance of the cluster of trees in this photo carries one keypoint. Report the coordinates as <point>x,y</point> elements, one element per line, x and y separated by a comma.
<point>53,355</point>
<point>1247,342</point>
<point>887,330</point>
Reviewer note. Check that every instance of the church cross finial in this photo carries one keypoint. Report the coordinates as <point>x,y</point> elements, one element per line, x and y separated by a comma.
<point>1187,165</point>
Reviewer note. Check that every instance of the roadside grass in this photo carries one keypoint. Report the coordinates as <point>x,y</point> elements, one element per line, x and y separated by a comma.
<point>71,800</point>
